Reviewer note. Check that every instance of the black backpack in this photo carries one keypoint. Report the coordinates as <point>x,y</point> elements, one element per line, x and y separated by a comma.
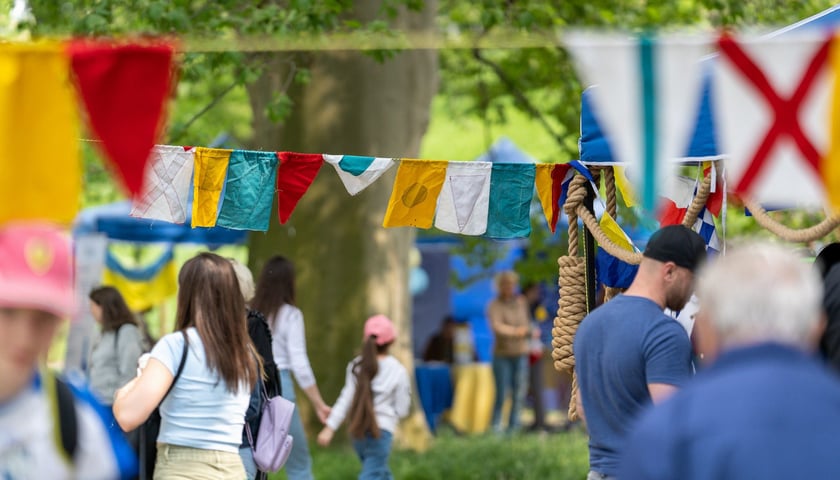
<point>65,407</point>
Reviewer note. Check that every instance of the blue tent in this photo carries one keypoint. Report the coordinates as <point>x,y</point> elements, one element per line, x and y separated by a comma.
<point>505,151</point>
<point>113,220</point>
<point>594,146</point>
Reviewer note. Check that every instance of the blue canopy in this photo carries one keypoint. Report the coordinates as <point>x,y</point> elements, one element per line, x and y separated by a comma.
<point>594,146</point>
<point>113,220</point>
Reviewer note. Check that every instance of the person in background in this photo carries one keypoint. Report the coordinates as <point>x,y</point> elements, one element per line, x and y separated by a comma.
<point>203,415</point>
<point>826,264</point>
<point>511,325</point>
<point>629,353</point>
<point>765,407</point>
<point>114,354</point>
<point>261,337</point>
<point>440,347</point>
<point>376,395</point>
<point>48,428</point>
<point>536,353</point>
<point>275,297</point>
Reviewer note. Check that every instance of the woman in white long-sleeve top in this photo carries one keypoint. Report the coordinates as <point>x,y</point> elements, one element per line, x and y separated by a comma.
<point>275,298</point>
<point>376,395</point>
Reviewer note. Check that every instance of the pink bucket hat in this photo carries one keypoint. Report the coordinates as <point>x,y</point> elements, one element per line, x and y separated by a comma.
<point>382,328</point>
<point>36,268</point>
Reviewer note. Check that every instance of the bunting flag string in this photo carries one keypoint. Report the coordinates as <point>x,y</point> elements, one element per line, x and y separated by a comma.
<point>775,102</point>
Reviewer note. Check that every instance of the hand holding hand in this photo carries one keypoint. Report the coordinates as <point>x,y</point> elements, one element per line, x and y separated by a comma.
<point>323,411</point>
<point>325,437</point>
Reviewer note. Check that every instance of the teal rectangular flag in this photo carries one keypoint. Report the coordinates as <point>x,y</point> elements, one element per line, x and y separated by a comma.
<point>249,190</point>
<point>511,191</point>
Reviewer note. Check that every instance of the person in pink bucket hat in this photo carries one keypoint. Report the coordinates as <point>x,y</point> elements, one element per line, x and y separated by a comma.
<point>376,395</point>
<point>48,428</point>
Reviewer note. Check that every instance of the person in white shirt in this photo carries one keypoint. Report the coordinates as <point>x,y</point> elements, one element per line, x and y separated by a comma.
<point>48,428</point>
<point>275,298</point>
<point>376,395</point>
<point>203,415</point>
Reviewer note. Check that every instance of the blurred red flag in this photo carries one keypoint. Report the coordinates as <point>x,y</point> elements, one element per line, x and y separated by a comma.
<point>124,88</point>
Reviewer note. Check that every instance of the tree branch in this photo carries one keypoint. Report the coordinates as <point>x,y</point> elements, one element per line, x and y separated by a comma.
<point>207,108</point>
<point>518,94</point>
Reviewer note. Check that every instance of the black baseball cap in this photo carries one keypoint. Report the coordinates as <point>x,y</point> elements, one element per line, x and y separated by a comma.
<point>678,244</point>
<point>827,258</point>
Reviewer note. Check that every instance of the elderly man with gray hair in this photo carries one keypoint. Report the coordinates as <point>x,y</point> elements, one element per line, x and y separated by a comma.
<point>765,407</point>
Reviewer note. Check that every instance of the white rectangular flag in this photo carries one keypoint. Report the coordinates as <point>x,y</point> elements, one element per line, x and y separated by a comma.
<point>166,185</point>
<point>464,201</point>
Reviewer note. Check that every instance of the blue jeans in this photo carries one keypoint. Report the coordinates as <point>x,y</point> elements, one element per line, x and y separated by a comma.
<point>299,464</point>
<point>510,373</point>
<point>374,453</point>
<point>248,461</point>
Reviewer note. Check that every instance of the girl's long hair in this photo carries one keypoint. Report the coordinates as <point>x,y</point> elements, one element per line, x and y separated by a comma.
<point>115,312</point>
<point>209,300</point>
<point>275,287</point>
<point>362,416</point>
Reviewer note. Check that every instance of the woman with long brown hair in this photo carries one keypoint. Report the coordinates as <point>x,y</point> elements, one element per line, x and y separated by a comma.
<point>113,357</point>
<point>376,395</point>
<point>203,415</point>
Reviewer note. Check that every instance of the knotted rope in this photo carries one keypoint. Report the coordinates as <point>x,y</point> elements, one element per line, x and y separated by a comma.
<point>572,283</point>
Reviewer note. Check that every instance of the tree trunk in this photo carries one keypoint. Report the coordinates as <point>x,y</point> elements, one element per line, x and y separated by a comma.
<point>348,266</point>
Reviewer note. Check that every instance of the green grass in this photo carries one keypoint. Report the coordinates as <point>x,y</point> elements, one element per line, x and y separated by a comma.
<point>487,457</point>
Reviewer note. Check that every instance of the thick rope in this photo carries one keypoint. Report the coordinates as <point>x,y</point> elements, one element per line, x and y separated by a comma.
<point>572,309</point>
<point>609,182</point>
<point>572,286</point>
<point>633,258</point>
<point>816,232</point>
<point>698,202</point>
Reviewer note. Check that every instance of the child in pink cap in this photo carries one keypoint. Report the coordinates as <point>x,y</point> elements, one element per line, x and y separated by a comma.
<point>48,428</point>
<point>376,394</point>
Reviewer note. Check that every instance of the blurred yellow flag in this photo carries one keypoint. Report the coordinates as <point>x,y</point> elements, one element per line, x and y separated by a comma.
<point>615,233</point>
<point>40,170</point>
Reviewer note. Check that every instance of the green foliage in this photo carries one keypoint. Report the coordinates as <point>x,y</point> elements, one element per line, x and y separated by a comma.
<point>523,457</point>
<point>487,85</point>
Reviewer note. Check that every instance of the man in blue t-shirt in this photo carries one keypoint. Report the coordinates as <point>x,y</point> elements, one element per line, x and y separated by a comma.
<point>629,353</point>
<point>766,407</point>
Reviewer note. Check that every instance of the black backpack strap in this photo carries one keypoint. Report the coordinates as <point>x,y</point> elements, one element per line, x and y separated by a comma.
<point>67,421</point>
<point>180,365</point>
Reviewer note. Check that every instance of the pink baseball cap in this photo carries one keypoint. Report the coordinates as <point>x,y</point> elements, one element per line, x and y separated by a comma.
<point>36,268</point>
<point>382,328</point>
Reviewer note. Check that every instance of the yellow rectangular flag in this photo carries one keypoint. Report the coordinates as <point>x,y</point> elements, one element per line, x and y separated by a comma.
<point>40,168</point>
<point>211,165</point>
<point>415,193</point>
